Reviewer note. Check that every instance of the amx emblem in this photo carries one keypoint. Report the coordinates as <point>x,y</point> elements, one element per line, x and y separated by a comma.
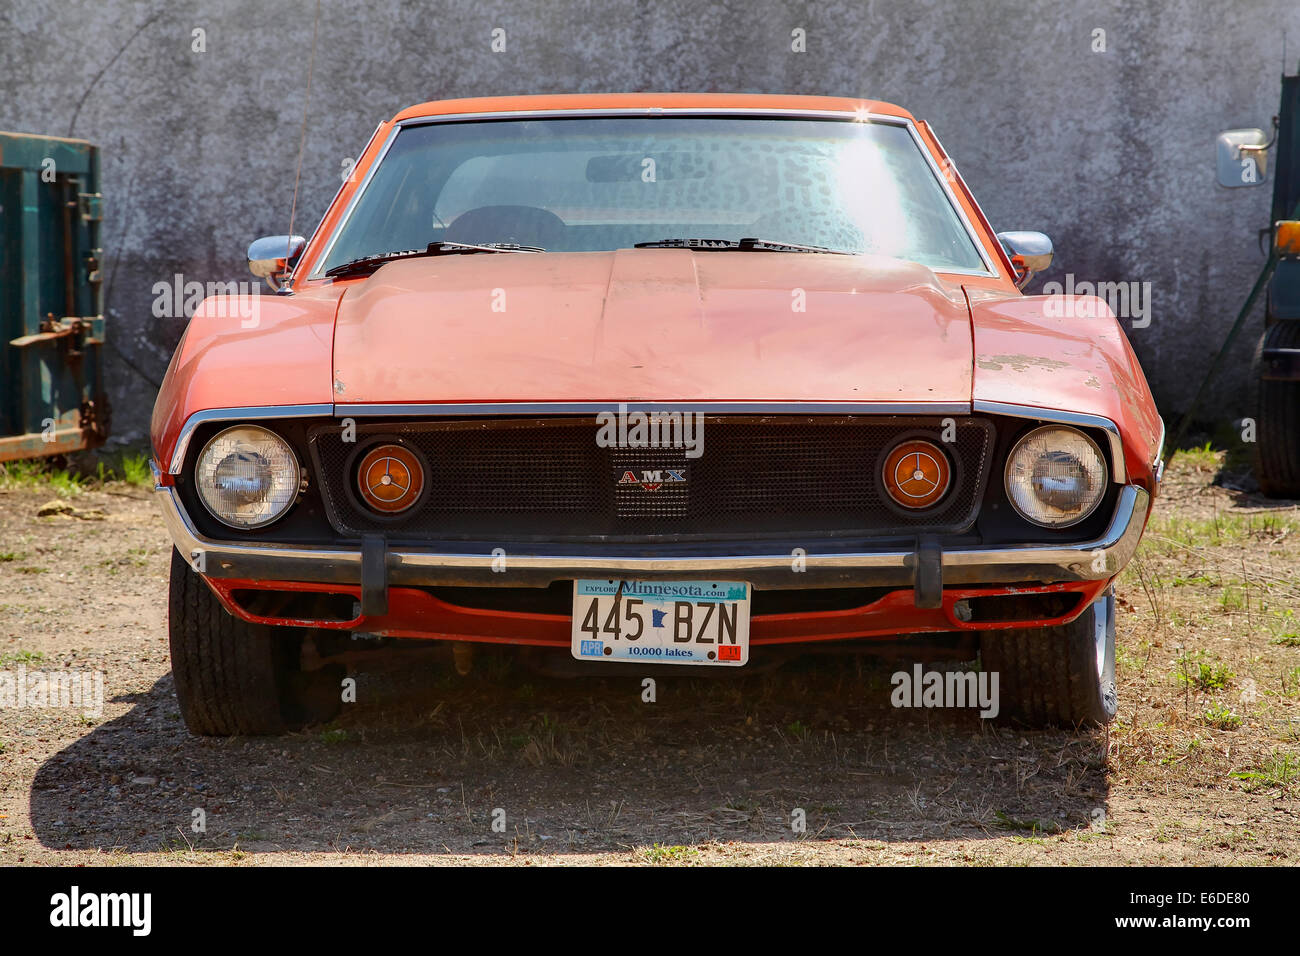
<point>653,480</point>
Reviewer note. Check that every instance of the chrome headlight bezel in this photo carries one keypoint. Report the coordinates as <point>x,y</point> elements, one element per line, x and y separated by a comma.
<point>286,476</point>
<point>1099,477</point>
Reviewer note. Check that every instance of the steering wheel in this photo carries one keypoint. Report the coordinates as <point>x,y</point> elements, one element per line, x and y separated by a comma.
<point>526,225</point>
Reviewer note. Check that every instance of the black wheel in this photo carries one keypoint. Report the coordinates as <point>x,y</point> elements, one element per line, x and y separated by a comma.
<point>1277,419</point>
<point>1062,676</point>
<point>233,678</point>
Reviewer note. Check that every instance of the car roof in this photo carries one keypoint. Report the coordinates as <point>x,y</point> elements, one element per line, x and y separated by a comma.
<point>640,101</point>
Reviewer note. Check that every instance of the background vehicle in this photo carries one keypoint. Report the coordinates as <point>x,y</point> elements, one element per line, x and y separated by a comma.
<point>1242,162</point>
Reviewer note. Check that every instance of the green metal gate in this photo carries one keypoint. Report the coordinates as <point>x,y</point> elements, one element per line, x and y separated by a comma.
<point>51,308</point>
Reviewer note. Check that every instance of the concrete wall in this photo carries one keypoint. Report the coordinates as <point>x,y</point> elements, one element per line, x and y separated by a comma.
<point>1110,153</point>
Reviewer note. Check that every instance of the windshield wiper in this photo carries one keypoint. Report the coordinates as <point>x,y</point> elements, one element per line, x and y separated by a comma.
<point>365,264</point>
<point>742,245</point>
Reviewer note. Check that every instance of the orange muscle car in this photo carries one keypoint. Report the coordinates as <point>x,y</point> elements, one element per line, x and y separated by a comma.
<point>644,380</point>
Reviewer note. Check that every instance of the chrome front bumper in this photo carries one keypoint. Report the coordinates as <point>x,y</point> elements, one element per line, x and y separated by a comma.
<point>1095,560</point>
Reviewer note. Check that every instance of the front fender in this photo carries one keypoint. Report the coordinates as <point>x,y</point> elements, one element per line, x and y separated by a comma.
<point>1067,353</point>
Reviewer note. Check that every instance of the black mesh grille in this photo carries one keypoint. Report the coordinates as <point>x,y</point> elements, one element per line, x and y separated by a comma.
<point>512,479</point>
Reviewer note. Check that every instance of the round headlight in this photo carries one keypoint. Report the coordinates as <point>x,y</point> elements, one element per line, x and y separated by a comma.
<point>247,476</point>
<point>1055,476</point>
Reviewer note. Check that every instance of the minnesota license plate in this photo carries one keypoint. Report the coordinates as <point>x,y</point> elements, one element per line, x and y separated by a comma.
<point>661,622</point>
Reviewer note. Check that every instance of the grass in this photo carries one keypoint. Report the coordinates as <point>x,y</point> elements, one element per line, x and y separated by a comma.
<point>659,854</point>
<point>65,479</point>
<point>1170,534</point>
<point>1007,822</point>
<point>1280,770</point>
<point>1201,457</point>
<point>21,657</point>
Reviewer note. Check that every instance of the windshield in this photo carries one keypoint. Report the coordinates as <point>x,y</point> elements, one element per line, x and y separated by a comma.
<point>595,184</point>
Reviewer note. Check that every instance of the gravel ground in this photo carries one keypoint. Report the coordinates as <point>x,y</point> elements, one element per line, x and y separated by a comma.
<point>1204,770</point>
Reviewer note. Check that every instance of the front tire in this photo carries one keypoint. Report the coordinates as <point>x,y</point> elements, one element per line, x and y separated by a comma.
<point>1062,675</point>
<point>232,678</point>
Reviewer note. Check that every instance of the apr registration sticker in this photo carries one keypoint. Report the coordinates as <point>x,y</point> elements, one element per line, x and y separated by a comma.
<point>661,622</point>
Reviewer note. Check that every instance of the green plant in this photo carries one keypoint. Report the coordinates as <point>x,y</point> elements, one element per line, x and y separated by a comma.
<point>22,657</point>
<point>1203,675</point>
<point>668,854</point>
<point>1222,718</point>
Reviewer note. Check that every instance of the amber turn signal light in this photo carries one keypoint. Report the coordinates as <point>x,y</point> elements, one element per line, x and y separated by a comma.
<point>916,474</point>
<point>390,478</point>
<point>1286,237</point>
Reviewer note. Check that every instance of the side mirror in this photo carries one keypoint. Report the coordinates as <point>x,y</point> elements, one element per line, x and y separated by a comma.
<point>1241,157</point>
<point>1030,252</point>
<point>272,257</point>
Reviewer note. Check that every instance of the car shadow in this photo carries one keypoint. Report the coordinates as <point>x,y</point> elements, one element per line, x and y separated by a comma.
<point>505,760</point>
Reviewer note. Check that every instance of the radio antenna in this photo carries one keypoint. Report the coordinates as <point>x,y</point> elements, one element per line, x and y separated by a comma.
<point>302,139</point>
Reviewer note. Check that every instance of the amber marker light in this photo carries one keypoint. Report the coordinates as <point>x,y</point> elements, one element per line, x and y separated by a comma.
<point>1286,238</point>
<point>916,474</point>
<point>390,479</point>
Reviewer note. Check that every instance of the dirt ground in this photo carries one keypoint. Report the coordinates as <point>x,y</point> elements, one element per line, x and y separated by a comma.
<point>1201,767</point>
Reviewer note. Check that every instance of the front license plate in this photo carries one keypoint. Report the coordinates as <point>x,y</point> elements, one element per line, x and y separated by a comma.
<point>661,622</point>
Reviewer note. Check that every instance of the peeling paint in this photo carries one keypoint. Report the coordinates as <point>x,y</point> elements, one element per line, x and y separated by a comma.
<point>1019,363</point>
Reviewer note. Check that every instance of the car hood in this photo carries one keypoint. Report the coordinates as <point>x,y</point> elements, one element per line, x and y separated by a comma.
<point>652,325</point>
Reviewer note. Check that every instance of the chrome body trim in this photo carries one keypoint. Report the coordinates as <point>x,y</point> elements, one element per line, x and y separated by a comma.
<point>1099,559</point>
<point>253,413</point>
<point>1158,463</point>
<point>352,203</point>
<point>990,269</point>
<point>338,192</point>
<point>1118,472</point>
<point>707,408</point>
<point>263,412</point>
